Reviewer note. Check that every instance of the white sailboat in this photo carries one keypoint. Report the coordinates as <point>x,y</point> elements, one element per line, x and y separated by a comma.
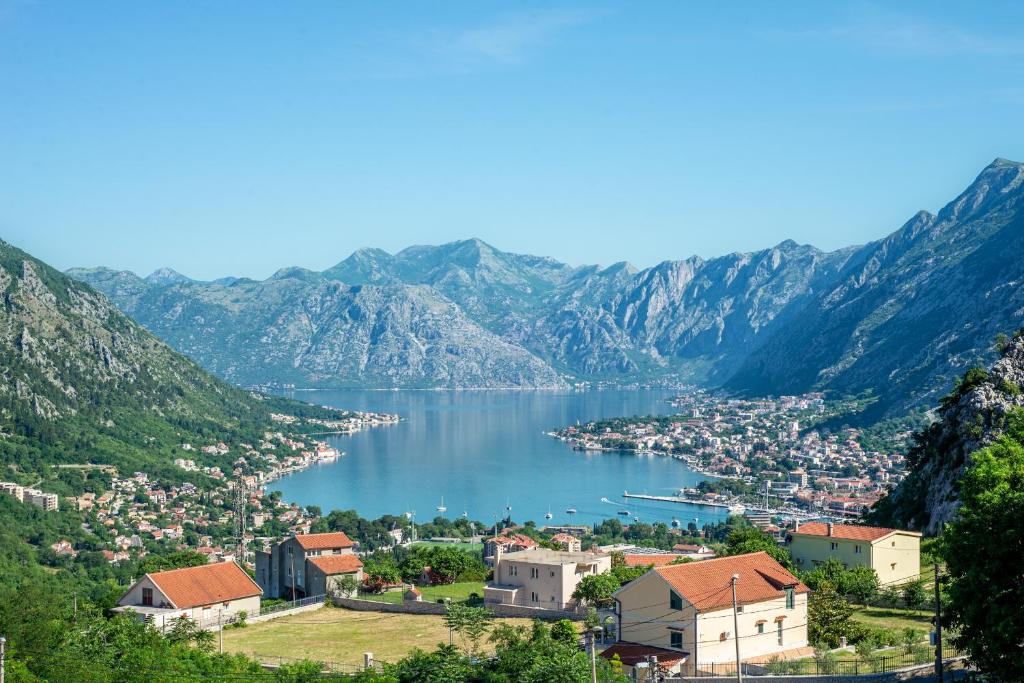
<point>441,507</point>
<point>548,515</point>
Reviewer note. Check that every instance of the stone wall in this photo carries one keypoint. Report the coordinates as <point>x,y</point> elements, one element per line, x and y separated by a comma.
<point>437,608</point>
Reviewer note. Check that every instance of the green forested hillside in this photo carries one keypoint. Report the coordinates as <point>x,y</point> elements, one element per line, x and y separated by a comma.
<point>83,383</point>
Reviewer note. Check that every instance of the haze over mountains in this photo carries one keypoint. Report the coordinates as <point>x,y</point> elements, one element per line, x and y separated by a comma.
<point>901,316</point>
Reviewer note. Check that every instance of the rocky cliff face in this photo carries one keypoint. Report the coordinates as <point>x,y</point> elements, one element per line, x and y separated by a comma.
<point>971,417</point>
<point>900,317</point>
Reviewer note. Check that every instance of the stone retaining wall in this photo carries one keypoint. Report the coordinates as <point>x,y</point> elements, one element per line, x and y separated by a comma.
<point>437,608</point>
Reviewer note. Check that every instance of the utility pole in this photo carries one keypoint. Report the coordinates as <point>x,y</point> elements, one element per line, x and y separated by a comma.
<point>291,557</point>
<point>3,653</point>
<point>220,629</point>
<point>938,628</point>
<point>592,638</point>
<point>241,493</point>
<point>736,629</point>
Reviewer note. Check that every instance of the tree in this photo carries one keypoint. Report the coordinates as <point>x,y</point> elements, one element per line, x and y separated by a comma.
<point>348,585</point>
<point>564,631</point>
<point>982,549</point>
<point>471,624</point>
<point>829,616</point>
<point>381,573</point>
<point>745,540</point>
<point>861,583</point>
<point>596,590</point>
<point>914,594</point>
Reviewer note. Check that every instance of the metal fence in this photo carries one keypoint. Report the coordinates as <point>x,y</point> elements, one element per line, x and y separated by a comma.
<point>830,666</point>
<point>292,604</point>
<point>325,666</point>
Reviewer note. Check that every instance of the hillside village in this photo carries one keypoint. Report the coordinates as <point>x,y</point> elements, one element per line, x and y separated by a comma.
<point>138,513</point>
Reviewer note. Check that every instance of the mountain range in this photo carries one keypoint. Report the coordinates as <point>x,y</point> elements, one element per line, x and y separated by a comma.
<point>900,317</point>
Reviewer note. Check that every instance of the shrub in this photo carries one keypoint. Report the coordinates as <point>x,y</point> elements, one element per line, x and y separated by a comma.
<point>826,660</point>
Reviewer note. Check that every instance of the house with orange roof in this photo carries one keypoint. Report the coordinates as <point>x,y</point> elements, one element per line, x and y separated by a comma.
<point>507,543</point>
<point>208,594</point>
<point>305,565</point>
<point>569,543</point>
<point>687,609</point>
<point>894,554</point>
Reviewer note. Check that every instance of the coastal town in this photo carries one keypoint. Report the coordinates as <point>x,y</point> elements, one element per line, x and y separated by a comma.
<point>213,503</point>
<point>768,454</point>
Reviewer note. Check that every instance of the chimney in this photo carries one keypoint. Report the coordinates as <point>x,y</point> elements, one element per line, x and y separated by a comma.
<point>830,528</point>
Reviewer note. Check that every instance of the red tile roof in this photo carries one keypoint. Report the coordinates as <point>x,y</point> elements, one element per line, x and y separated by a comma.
<point>707,584</point>
<point>850,532</point>
<point>564,538</point>
<point>337,564</point>
<point>324,541</point>
<point>516,539</point>
<point>205,585</point>
<point>644,560</point>
<point>631,653</point>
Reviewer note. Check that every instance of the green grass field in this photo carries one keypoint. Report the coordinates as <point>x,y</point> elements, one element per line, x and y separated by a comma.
<point>339,635</point>
<point>474,547</point>
<point>897,619</point>
<point>458,592</point>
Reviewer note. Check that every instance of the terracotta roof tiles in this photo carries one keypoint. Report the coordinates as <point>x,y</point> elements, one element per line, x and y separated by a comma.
<point>631,654</point>
<point>707,584</point>
<point>337,564</point>
<point>205,585</point>
<point>851,532</point>
<point>323,541</point>
<point>644,560</point>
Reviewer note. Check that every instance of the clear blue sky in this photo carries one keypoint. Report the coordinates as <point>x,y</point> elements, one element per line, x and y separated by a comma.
<point>235,138</point>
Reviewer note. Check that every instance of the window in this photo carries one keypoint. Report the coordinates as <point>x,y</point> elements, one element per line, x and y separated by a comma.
<point>513,570</point>
<point>739,609</point>
<point>790,599</point>
<point>552,572</point>
<point>778,630</point>
<point>760,627</point>
<point>674,601</point>
<point>834,545</point>
<point>676,640</point>
<point>534,573</point>
<point>892,565</point>
<point>856,550</point>
<point>147,597</point>
<point>533,597</point>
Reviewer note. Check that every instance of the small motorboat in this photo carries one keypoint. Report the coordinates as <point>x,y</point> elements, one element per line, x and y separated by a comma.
<point>570,511</point>
<point>548,515</point>
<point>624,513</point>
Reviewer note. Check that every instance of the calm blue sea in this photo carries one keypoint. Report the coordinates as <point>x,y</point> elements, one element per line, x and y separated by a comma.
<point>483,450</point>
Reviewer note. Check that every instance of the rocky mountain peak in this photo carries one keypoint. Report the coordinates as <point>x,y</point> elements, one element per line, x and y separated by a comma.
<point>166,276</point>
<point>999,183</point>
